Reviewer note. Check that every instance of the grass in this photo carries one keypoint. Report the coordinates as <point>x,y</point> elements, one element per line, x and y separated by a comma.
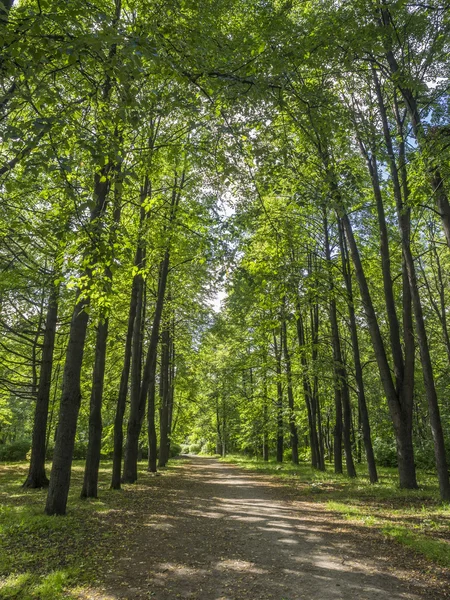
<point>414,518</point>
<point>51,558</point>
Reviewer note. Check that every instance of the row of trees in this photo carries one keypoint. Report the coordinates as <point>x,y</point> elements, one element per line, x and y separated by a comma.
<point>123,125</point>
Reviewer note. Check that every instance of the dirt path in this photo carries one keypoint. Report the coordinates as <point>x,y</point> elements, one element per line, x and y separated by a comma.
<point>223,534</point>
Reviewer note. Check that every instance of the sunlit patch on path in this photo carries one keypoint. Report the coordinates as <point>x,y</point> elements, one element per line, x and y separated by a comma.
<point>228,535</point>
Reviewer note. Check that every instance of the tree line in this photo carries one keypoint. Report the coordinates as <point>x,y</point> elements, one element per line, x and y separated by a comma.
<point>294,153</point>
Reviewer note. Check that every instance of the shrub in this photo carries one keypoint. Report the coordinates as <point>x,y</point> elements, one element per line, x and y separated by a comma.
<point>195,448</point>
<point>385,453</point>
<point>208,448</point>
<point>287,455</point>
<point>175,449</point>
<point>16,451</point>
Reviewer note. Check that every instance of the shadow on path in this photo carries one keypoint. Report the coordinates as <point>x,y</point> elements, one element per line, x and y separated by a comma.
<point>223,534</point>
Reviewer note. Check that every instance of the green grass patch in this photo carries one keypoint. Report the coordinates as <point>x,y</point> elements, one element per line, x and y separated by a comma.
<point>414,518</point>
<point>47,558</point>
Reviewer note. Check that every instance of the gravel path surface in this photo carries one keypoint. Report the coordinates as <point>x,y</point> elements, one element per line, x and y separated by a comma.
<point>218,533</point>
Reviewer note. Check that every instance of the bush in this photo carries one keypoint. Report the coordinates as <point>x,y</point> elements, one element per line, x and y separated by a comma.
<point>195,448</point>
<point>287,455</point>
<point>385,453</point>
<point>208,448</point>
<point>175,449</point>
<point>16,451</point>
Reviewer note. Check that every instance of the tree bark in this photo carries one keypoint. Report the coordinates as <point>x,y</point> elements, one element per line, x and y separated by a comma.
<point>123,388</point>
<point>280,433</point>
<point>37,477</point>
<point>290,392</point>
<point>164,397</point>
<point>90,482</point>
<point>71,392</point>
<point>400,418</point>
<point>342,430</point>
<point>129,474</point>
<point>362,404</point>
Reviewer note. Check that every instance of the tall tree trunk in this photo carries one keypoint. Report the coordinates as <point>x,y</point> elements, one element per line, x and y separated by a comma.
<point>129,474</point>
<point>71,392</point>
<point>265,412</point>
<point>36,477</point>
<point>280,436</point>
<point>90,482</point>
<point>405,230</point>
<point>307,388</point>
<point>290,392</point>
<point>342,430</point>
<point>400,418</point>
<point>152,439</point>
<point>164,397</point>
<point>362,404</point>
<point>123,388</point>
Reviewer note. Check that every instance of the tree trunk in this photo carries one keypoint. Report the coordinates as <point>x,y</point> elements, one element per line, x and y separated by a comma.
<point>427,367</point>
<point>123,388</point>
<point>362,404</point>
<point>342,430</point>
<point>90,482</point>
<point>400,418</point>
<point>71,392</point>
<point>36,475</point>
<point>292,425</point>
<point>152,440</point>
<point>280,441</point>
<point>265,448</point>
<point>129,474</point>
<point>164,397</point>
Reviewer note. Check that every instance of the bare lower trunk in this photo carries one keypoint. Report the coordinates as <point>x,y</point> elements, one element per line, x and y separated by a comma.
<point>362,404</point>
<point>123,389</point>
<point>129,474</point>
<point>71,393</point>
<point>90,483</point>
<point>280,435</point>
<point>342,430</point>
<point>292,425</point>
<point>164,397</point>
<point>36,475</point>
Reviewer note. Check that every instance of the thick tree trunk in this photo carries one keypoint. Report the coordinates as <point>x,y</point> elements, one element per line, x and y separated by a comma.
<point>400,418</point>
<point>36,475</point>
<point>148,380</point>
<point>152,440</point>
<point>71,392</point>
<point>427,367</point>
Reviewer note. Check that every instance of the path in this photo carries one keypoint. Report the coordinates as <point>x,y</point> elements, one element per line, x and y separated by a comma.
<point>224,534</point>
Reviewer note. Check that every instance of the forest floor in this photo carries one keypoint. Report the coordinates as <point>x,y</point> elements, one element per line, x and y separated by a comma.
<point>209,530</point>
